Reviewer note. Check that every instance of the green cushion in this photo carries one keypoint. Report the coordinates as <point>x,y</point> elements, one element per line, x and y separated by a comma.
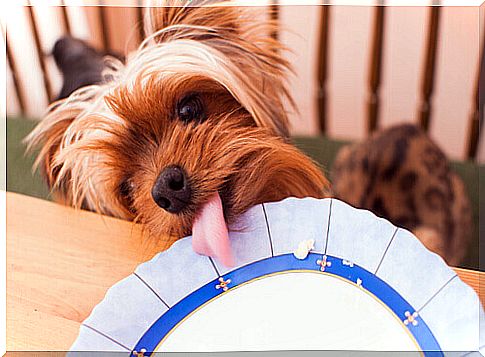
<point>19,166</point>
<point>323,150</point>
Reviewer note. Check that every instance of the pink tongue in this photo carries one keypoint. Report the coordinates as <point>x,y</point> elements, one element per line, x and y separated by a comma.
<point>209,232</point>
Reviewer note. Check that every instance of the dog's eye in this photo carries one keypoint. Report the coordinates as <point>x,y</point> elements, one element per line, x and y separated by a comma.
<point>191,109</point>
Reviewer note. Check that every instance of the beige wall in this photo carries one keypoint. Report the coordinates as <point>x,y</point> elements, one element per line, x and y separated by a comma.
<point>350,31</point>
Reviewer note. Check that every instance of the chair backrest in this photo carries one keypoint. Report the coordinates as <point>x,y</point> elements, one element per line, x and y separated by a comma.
<point>427,75</point>
<point>420,68</point>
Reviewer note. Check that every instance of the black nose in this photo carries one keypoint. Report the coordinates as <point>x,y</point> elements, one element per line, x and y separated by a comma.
<point>171,190</point>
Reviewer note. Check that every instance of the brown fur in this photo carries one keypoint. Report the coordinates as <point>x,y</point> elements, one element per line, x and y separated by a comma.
<point>104,146</point>
<point>401,175</point>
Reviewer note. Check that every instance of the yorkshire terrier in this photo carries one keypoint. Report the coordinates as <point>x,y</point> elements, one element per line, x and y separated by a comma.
<point>186,135</point>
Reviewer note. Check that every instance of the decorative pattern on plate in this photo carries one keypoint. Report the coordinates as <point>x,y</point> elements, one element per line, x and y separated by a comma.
<point>410,318</point>
<point>364,263</point>
<point>140,353</point>
<point>324,263</point>
<point>223,284</point>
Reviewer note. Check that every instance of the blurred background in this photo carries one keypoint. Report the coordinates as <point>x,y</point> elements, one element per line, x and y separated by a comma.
<point>357,69</point>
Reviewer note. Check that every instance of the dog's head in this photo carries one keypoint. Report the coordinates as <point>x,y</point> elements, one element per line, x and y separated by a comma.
<point>196,116</point>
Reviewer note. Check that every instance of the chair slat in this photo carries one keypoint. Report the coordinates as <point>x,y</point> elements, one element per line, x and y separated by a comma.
<point>40,54</point>
<point>375,68</point>
<point>140,19</point>
<point>65,19</point>
<point>15,77</point>
<point>274,14</point>
<point>476,117</point>
<point>322,70</point>
<point>428,77</point>
<point>104,27</point>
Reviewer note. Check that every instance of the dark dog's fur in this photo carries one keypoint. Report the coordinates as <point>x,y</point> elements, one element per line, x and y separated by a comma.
<point>402,175</point>
<point>80,64</point>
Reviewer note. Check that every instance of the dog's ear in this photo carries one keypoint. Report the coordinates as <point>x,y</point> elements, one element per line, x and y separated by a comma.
<point>46,139</point>
<point>71,156</point>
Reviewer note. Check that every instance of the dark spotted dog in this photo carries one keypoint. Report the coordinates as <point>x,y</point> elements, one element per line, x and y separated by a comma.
<point>79,63</point>
<point>402,175</point>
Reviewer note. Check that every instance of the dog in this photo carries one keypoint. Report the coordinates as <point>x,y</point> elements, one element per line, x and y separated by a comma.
<point>400,174</point>
<point>80,64</point>
<point>186,135</point>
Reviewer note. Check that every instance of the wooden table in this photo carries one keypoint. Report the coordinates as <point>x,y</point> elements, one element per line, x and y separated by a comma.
<point>60,262</point>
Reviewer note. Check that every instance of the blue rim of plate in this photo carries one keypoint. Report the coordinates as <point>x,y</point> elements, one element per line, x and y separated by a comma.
<point>288,263</point>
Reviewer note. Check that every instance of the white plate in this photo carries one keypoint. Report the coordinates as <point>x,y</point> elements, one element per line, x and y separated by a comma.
<point>366,285</point>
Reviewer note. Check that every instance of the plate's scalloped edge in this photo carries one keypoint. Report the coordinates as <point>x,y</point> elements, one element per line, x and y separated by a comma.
<point>114,289</point>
